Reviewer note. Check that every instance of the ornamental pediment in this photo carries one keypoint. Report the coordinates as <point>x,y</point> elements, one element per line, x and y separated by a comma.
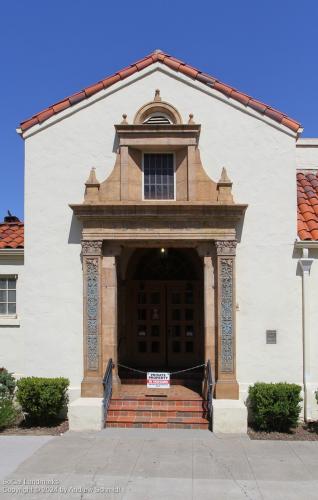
<point>158,160</point>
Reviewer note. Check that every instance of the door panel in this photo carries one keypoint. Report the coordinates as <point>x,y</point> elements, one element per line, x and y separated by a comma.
<point>165,328</point>
<point>148,330</point>
<point>183,325</point>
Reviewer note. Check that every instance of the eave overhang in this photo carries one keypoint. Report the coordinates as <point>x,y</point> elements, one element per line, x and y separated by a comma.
<point>306,244</point>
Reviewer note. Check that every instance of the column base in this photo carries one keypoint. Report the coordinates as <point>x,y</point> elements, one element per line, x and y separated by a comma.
<point>229,416</point>
<point>226,389</point>
<point>86,414</point>
<point>115,379</point>
<point>92,387</point>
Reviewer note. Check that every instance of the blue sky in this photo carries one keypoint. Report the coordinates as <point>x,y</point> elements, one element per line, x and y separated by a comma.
<point>50,49</point>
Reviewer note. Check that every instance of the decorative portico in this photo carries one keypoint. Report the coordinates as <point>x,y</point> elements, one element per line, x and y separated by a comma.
<point>100,263</point>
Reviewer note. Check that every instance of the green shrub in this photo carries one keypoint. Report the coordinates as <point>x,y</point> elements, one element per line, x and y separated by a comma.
<point>275,407</point>
<point>42,399</point>
<point>8,412</point>
<point>7,383</point>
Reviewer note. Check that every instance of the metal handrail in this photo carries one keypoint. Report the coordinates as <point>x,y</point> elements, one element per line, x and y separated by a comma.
<point>108,385</point>
<point>210,388</point>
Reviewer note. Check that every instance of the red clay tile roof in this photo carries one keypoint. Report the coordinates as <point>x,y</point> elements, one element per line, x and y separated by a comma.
<point>11,235</point>
<point>307,204</point>
<point>175,64</point>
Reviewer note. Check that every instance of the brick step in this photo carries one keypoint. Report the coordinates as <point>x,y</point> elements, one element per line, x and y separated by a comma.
<point>162,412</point>
<point>158,422</point>
<point>157,426</point>
<point>154,403</point>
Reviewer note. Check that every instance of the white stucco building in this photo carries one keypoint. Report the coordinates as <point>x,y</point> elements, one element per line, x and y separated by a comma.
<point>182,246</point>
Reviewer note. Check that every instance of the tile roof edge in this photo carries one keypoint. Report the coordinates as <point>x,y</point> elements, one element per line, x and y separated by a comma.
<point>307,200</point>
<point>176,65</point>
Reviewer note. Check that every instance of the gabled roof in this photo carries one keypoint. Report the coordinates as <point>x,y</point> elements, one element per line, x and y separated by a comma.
<point>176,65</point>
<point>11,235</point>
<point>307,204</point>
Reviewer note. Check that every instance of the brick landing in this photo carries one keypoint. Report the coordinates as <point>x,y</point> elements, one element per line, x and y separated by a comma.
<point>179,407</point>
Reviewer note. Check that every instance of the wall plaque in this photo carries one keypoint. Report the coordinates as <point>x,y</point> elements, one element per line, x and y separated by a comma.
<point>271,336</point>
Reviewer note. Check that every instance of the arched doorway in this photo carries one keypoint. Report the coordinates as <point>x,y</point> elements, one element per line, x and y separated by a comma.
<point>164,309</point>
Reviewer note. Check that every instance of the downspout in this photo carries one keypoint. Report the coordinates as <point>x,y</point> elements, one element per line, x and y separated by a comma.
<point>305,265</point>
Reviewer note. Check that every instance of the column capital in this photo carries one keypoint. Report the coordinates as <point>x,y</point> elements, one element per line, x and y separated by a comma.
<point>112,250</point>
<point>225,247</point>
<point>92,247</point>
<point>205,249</point>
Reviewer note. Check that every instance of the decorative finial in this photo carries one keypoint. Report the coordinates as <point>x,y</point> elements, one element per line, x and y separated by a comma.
<point>157,97</point>
<point>224,177</point>
<point>124,121</point>
<point>92,180</point>
<point>158,51</point>
<point>224,187</point>
<point>190,119</point>
<point>92,188</point>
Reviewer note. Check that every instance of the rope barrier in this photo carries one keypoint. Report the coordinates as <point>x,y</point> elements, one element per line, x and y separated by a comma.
<point>132,369</point>
<point>171,373</point>
<point>187,369</point>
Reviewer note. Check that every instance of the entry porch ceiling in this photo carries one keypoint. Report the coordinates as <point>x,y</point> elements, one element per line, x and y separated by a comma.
<point>159,221</point>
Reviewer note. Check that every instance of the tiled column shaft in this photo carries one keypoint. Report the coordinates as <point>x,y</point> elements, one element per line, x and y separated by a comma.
<point>92,382</point>
<point>226,384</point>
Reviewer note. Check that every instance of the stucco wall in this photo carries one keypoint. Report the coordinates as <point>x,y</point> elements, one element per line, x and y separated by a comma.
<point>11,331</point>
<point>260,159</point>
<point>307,153</point>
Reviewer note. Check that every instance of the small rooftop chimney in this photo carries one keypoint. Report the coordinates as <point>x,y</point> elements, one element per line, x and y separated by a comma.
<point>11,218</point>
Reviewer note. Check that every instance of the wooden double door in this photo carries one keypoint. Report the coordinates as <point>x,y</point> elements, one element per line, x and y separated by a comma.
<point>166,324</point>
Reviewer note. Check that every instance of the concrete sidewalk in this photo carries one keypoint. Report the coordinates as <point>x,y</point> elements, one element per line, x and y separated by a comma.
<point>151,464</point>
<point>15,449</point>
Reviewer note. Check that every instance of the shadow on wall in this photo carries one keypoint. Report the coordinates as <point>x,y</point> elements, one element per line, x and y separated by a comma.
<point>297,254</point>
<point>75,234</point>
<point>239,229</point>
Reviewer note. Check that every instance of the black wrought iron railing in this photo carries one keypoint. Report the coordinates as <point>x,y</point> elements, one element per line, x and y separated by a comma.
<point>108,385</point>
<point>209,388</point>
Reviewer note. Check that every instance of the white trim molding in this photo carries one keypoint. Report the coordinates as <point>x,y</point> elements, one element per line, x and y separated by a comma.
<point>9,321</point>
<point>306,244</point>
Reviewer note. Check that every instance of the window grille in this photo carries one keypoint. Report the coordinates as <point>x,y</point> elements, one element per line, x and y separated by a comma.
<point>158,176</point>
<point>8,286</point>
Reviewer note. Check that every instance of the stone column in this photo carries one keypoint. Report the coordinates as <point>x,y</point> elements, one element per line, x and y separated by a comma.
<point>205,251</point>
<point>92,383</point>
<point>226,384</point>
<point>109,308</point>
